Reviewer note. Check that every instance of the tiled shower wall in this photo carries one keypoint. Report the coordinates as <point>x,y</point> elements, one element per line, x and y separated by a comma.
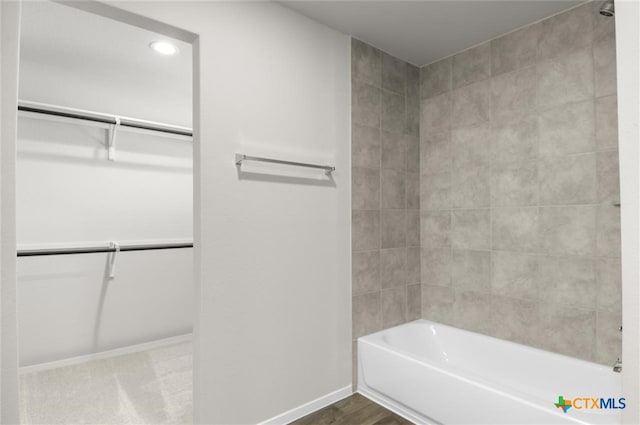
<point>385,190</point>
<point>519,177</point>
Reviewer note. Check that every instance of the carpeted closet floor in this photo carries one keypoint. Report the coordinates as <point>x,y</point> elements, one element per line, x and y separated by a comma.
<point>149,387</point>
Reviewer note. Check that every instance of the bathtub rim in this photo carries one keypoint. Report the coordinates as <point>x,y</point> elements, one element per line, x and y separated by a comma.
<point>369,338</point>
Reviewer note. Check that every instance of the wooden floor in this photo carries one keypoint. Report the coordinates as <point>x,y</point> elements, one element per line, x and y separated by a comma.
<point>354,410</point>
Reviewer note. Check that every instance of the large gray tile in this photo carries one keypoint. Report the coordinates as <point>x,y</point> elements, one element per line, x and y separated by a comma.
<point>515,50</point>
<point>412,99</point>
<point>567,129</point>
<point>471,229</point>
<point>412,147</point>
<point>565,79</point>
<point>470,187</point>
<point>412,107</point>
<point>393,112</point>
<point>608,177</point>
<point>568,180</point>
<point>471,104</point>
<point>567,331</point>
<point>365,272</point>
<point>514,275</point>
<point>436,266</point>
<point>435,153</point>
<point>438,303</point>
<point>435,114</point>
<point>609,284</point>
<point>413,227</point>
<point>393,190</point>
<point>514,320</point>
<point>565,33</point>
<point>435,191</point>
<point>515,140</point>
<point>393,307</point>
<point>514,184</point>
<point>413,81</point>
<point>568,281</point>
<point>414,302</point>
<point>393,151</point>
<point>515,229</point>
<point>414,257</point>
<point>513,95</point>
<point>472,65</point>
<point>365,233</point>
<point>365,146</point>
<point>608,231</point>
<point>366,63</point>
<point>394,74</point>
<point>472,311</point>
<point>367,314</point>
<point>354,363</point>
<point>604,64</point>
<point>365,104</point>
<point>435,78</point>
<point>365,188</point>
<point>607,122</point>
<point>393,267</point>
<point>471,145</point>
<point>435,229</point>
<point>608,338</point>
<point>413,190</point>
<point>471,270</point>
<point>568,230</point>
<point>393,228</point>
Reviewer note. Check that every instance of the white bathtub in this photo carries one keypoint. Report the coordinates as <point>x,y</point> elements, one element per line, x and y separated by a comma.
<point>432,373</point>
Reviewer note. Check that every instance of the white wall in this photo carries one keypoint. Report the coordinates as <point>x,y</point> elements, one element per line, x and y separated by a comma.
<point>67,307</point>
<point>69,195</point>
<point>272,258</point>
<point>9,54</point>
<point>628,63</point>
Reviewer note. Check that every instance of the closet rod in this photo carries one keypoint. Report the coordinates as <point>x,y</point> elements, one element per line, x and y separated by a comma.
<point>61,111</point>
<point>98,249</point>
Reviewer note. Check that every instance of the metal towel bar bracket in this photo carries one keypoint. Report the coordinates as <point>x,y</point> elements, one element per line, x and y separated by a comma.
<point>240,158</point>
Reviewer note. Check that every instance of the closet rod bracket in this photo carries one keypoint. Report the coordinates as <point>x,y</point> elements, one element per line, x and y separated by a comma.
<point>111,148</point>
<point>115,246</point>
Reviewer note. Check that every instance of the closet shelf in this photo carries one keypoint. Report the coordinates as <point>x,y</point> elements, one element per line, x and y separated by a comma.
<point>101,248</point>
<point>114,120</point>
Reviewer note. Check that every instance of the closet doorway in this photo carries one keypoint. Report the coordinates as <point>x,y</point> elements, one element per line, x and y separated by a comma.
<point>104,220</point>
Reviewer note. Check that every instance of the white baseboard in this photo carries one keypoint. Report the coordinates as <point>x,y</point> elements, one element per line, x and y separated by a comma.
<point>310,407</point>
<point>106,354</point>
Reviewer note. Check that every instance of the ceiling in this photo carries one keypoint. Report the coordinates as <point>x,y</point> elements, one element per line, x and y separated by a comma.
<point>421,32</point>
<point>63,48</point>
<point>74,58</point>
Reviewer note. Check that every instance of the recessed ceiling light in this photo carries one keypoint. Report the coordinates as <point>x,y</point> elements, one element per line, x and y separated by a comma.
<point>163,47</point>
